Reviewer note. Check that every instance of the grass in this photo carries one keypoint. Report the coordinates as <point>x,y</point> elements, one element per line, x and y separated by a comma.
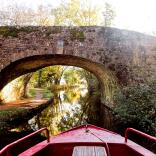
<point>31,92</point>
<point>10,113</point>
<point>47,94</point>
<point>7,117</point>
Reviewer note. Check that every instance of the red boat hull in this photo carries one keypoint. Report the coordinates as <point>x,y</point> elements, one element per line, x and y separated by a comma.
<point>87,136</point>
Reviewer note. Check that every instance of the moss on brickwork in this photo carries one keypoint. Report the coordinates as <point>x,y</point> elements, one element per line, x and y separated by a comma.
<point>27,29</point>
<point>77,35</point>
<point>55,30</point>
<point>6,31</point>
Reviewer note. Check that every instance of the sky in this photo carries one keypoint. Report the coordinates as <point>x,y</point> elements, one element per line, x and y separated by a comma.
<point>137,15</point>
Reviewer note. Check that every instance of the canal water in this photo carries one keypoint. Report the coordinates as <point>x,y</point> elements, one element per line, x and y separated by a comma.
<point>63,113</point>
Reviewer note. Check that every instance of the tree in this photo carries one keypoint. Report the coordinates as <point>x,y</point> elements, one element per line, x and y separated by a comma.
<point>39,78</point>
<point>25,80</point>
<point>16,89</point>
<point>17,15</point>
<point>108,15</point>
<point>82,13</point>
<point>43,16</point>
<point>68,13</point>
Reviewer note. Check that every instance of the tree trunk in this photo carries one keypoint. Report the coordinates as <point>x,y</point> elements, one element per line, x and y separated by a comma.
<point>39,78</point>
<point>26,80</point>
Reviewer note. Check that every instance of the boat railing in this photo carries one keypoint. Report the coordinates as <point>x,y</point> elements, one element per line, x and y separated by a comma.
<point>7,148</point>
<point>138,132</point>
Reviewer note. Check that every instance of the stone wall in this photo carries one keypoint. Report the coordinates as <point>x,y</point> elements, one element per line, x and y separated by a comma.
<point>122,52</point>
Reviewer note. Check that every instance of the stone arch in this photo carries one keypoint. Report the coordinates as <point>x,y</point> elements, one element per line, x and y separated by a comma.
<point>25,65</point>
<point>123,52</point>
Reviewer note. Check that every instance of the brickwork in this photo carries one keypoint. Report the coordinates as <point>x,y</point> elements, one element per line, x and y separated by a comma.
<point>122,52</point>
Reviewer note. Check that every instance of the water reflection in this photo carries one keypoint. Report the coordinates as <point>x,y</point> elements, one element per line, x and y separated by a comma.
<point>75,92</point>
<point>65,112</point>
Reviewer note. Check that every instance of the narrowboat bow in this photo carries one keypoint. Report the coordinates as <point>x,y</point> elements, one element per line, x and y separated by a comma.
<point>85,140</point>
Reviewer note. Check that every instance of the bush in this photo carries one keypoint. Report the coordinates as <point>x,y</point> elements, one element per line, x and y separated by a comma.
<point>136,107</point>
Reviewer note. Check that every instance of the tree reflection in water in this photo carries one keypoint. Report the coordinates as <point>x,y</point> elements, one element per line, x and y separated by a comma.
<point>74,95</point>
<point>60,115</point>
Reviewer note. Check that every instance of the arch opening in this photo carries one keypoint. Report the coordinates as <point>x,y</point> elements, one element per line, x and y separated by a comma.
<point>107,79</point>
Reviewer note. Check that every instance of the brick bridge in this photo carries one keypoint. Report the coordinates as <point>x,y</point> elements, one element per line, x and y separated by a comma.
<point>116,57</point>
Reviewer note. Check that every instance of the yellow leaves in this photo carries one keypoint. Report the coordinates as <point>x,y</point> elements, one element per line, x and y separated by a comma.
<point>11,91</point>
<point>77,13</point>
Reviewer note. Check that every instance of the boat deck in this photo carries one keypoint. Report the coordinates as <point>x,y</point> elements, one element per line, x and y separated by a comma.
<point>64,143</point>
